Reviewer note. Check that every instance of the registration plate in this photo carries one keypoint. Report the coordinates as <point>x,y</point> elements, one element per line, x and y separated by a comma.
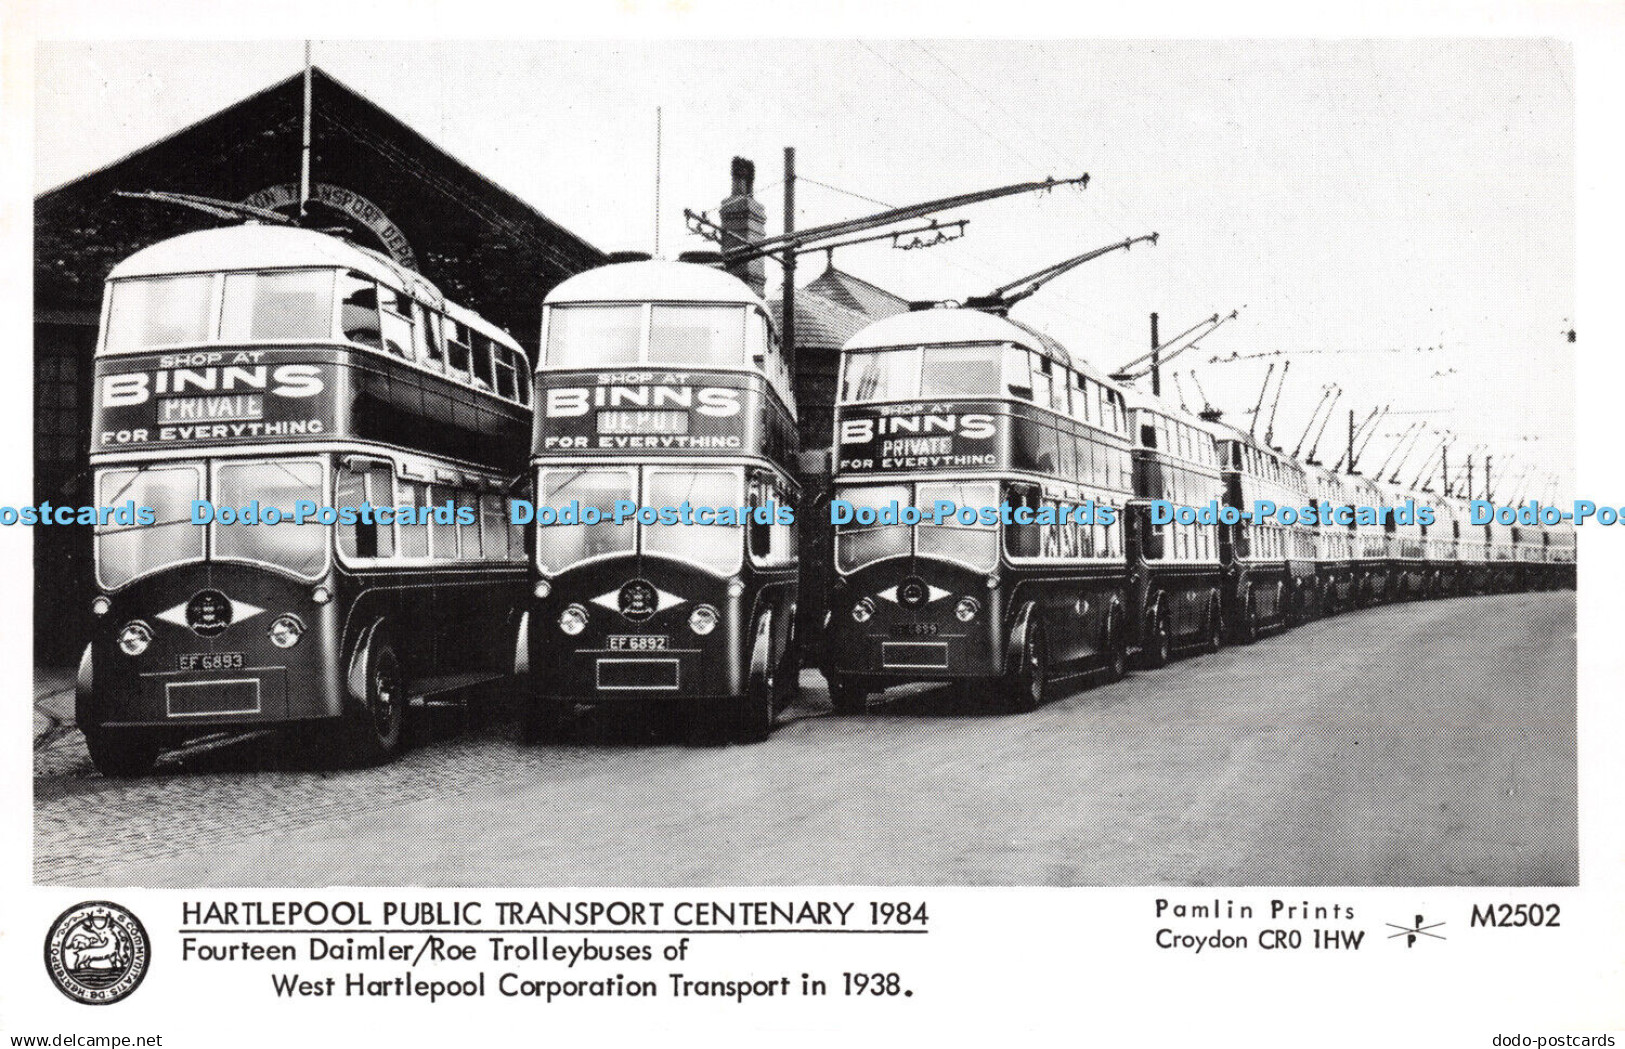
<point>638,642</point>
<point>915,630</point>
<point>210,661</point>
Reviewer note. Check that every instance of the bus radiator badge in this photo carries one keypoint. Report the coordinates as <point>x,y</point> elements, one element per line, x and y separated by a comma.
<point>913,592</point>
<point>208,613</point>
<point>638,600</point>
<point>97,953</point>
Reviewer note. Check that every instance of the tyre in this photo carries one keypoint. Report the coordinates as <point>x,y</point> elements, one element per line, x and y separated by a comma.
<point>1024,685</point>
<point>1116,651</point>
<point>846,696</point>
<point>1215,629</point>
<point>376,727</point>
<point>1159,643</point>
<point>1249,620</point>
<point>750,716</point>
<point>123,755</point>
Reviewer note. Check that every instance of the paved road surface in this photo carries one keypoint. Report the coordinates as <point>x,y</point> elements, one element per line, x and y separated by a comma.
<point>1413,745</point>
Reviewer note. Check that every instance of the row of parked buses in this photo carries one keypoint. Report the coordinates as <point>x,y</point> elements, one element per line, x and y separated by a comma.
<point>463,515</point>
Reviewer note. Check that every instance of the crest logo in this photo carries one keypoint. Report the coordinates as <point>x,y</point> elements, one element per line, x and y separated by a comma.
<point>97,953</point>
<point>208,613</point>
<point>638,600</point>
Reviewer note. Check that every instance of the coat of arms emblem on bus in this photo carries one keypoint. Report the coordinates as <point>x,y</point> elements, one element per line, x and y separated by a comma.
<point>97,953</point>
<point>208,613</point>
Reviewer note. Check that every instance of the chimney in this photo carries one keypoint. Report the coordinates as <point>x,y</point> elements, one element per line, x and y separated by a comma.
<point>745,220</point>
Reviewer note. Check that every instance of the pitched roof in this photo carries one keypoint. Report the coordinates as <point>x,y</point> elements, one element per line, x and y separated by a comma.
<point>855,293</point>
<point>820,323</point>
<point>483,246</point>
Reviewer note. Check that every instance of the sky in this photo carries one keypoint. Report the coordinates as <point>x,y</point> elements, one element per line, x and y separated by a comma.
<point>1397,217</point>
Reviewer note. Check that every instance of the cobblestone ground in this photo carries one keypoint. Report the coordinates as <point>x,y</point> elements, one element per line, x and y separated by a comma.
<point>1431,743</point>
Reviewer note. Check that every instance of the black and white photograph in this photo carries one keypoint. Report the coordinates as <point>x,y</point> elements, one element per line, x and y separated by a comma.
<point>1139,474</point>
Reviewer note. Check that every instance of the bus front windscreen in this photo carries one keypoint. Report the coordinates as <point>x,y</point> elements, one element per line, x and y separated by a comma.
<point>569,493</point>
<point>127,551</point>
<point>297,548</point>
<point>974,545</point>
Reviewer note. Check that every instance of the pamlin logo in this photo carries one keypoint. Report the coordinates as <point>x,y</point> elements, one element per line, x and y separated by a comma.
<point>97,953</point>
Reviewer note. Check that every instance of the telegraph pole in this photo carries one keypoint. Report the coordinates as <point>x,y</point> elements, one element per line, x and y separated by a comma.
<point>787,323</point>
<point>304,149</point>
<point>1487,495</point>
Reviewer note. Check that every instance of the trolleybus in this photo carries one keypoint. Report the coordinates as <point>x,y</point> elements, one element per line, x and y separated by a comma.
<point>1269,564</point>
<point>967,407</point>
<point>260,368</point>
<point>1334,540</point>
<point>662,387</point>
<point>1176,577</point>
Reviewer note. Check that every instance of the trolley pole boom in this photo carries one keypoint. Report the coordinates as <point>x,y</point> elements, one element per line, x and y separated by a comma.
<point>1269,431</point>
<point>1252,427</point>
<point>1127,372</point>
<point>1313,448</point>
<point>1000,299</point>
<point>796,241</point>
<point>1415,442</point>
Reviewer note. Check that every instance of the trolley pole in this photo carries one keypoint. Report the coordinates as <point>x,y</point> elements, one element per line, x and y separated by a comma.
<point>1156,360</point>
<point>1487,495</point>
<point>787,323</point>
<point>1351,440</point>
<point>1444,468</point>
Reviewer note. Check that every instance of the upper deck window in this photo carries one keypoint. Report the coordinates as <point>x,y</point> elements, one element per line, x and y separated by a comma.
<point>925,372</point>
<point>160,311</point>
<point>697,335</point>
<point>590,336</point>
<point>290,304</point>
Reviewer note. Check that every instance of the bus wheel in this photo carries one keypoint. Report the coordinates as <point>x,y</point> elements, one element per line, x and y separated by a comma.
<point>751,716</point>
<point>1249,620</point>
<point>847,697</point>
<point>1116,651</point>
<point>1215,628</point>
<point>1159,645</point>
<point>122,755</point>
<point>1024,686</point>
<point>377,728</point>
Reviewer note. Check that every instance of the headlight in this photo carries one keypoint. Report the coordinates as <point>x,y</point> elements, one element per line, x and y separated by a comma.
<point>967,608</point>
<point>134,638</point>
<point>573,620</point>
<point>542,588</point>
<point>286,631</point>
<point>101,606</point>
<point>863,610</point>
<point>702,620</point>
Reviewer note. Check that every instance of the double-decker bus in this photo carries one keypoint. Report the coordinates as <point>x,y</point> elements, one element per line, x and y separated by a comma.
<point>662,385</point>
<point>967,407</point>
<point>258,368</point>
<point>1269,565</point>
<point>1175,574</point>
<point>1334,541</point>
<point>1408,568</point>
<point>1471,571</point>
<point>1371,544</point>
